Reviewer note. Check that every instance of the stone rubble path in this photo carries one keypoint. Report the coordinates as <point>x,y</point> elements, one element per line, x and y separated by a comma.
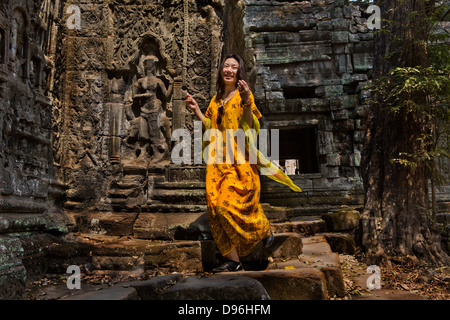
<point>316,273</point>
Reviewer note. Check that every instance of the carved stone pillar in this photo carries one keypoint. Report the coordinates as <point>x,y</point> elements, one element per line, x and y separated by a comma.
<point>179,107</point>
<point>116,118</point>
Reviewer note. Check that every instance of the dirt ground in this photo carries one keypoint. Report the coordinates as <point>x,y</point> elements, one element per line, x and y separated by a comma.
<point>405,280</point>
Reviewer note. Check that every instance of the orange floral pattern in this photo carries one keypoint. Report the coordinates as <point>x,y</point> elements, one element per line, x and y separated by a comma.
<point>233,190</point>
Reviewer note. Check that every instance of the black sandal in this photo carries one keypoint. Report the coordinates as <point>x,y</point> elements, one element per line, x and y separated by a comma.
<point>229,266</point>
<point>268,241</point>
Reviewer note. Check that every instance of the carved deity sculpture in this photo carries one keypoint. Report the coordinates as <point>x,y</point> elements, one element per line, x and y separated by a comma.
<point>151,126</point>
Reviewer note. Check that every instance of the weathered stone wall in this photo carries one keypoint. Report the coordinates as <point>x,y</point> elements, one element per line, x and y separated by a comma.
<point>26,166</point>
<point>127,70</point>
<point>30,194</point>
<point>312,60</point>
<point>129,65</point>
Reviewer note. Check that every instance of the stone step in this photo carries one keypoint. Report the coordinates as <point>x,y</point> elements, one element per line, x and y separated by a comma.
<point>166,208</point>
<point>180,196</point>
<point>113,253</point>
<point>104,223</point>
<point>300,211</point>
<point>124,193</point>
<point>135,170</point>
<point>128,183</point>
<point>176,221</point>
<point>306,227</point>
<point>21,222</point>
<point>171,226</point>
<point>317,254</point>
<point>180,185</point>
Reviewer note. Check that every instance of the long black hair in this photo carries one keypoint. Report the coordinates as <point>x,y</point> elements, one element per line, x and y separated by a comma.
<point>240,75</point>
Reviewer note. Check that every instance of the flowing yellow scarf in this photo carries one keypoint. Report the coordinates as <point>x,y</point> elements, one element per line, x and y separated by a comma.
<point>265,166</point>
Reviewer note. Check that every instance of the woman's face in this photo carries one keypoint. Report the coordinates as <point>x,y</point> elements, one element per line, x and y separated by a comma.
<point>229,71</point>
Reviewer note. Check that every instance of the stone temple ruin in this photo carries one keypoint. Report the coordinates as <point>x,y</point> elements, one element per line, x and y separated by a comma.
<point>90,92</point>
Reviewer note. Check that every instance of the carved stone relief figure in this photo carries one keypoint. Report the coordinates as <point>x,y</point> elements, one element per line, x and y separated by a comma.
<point>150,126</point>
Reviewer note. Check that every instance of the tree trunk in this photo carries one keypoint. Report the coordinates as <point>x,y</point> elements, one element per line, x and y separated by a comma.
<point>396,220</point>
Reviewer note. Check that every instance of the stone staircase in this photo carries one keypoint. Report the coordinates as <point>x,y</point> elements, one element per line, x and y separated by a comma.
<point>170,233</point>
<point>303,263</point>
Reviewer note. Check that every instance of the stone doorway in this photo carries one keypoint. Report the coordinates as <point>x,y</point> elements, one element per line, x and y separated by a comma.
<point>298,150</point>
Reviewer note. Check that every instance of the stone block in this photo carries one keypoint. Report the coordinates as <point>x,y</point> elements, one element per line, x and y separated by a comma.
<point>340,242</point>
<point>344,125</point>
<point>318,254</point>
<point>325,142</point>
<point>333,90</point>
<point>338,37</point>
<point>342,220</point>
<point>363,47</point>
<point>285,246</point>
<point>324,25</point>
<point>356,159</point>
<point>361,111</point>
<point>153,288</point>
<point>320,3</point>
<point>340,114</point>
<point>333,159</point>
<point>13,274</point>
<point>130,263</point>
<point>218,287</point>
<point>362,62</point>
<point>299,284</point>
<point>177,256</point>
<point>358,135</point>
<point>332,172</point>
<point>274,213</point>
<point>340,24</point>
<point>304,228</point>
<point>168,226</point>
<point>336,12</point>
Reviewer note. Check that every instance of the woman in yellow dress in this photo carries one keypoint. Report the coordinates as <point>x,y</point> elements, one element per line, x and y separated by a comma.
<point>233,187</point>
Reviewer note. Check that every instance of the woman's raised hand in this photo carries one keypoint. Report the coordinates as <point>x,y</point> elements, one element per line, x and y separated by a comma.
<point>244,90</point>
<point>191,103</point>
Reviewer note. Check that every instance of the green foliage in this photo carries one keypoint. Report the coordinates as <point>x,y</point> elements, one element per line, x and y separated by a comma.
<point>424,91</point>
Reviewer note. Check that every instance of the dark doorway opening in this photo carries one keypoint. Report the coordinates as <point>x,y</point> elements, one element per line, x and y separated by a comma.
<point>298,150</point>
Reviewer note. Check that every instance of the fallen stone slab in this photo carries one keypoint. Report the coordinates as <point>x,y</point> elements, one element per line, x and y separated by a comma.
<point>299,284</point>
<point>117,292</point>
<point>340,242</point>
<point>153,288</point>
<point>217,287</point>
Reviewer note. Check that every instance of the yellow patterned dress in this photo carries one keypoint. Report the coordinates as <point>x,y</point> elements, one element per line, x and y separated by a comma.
<point>233,189</point>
